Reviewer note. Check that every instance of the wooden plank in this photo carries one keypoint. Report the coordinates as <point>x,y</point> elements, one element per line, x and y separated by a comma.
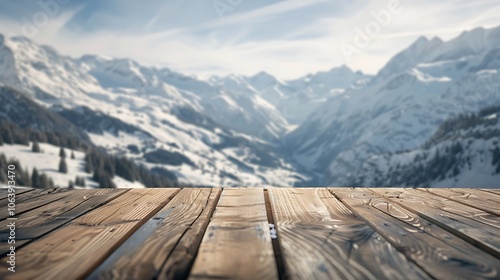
<point>470,197</point>
<point>34,199</point>
<point>322,239</point>
<point>169,240</point>
<point>237,243</point>
<point>484,236</point>
<point>438,258</point>
<point>493,191</point>
<point>73,251</point>
<point>37,222</point>
<point>399,212</point>
<point>180,261</point>
<point>5,191</point>
<point>491,221</point>
<point>5,247</point>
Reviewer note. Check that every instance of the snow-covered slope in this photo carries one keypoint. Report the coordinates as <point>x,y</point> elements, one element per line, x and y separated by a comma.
<point>18,108</point>
<point>47,162</point>
<point>401,107</point>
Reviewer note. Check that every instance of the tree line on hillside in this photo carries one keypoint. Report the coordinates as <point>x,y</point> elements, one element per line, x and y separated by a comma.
<point>446,162</point>
<point>22,176</point>
<point>11,133</point>
<point>464,122</point>
<point>102,166</point>
<point>439,161</point>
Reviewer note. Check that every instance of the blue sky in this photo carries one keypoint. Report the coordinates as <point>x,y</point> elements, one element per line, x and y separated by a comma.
<point>288,38</point>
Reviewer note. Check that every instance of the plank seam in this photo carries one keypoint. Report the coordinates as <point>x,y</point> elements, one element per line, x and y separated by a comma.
<point>7,193</point>
<point>278,256</point>
<point>68,221</point>
<point>397,248</point>
<point>454,213</point>
<point>37,206</point>
<point>451,230</point>
<point>202,233</point>
<point>128,234</point>
<point>457,201</point>
<point>489,192</point>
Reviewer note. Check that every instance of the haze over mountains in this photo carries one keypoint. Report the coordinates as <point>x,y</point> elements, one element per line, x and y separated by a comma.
<point>326,128</point>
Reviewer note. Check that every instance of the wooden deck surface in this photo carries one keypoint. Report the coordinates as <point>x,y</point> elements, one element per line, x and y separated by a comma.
<point>253,233</point>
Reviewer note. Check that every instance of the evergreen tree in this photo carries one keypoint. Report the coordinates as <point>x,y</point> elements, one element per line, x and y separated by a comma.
<point>35,178</point>
<point>103,178</point>
<point>80,181</point>
<point>62,153</point>
<point>1,140</point>
<point>35,148</point>
<point>44,182</point>
<point>71,185</point>
<point>51,183</point>
<point>89,166</point>
<point>63,167</point>
<point>72,155</point>
<point>496,156</point>
<point>7,137</point>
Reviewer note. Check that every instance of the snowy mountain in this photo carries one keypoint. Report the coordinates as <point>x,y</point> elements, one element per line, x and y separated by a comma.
<point>19,109</point>
<point>235,130</point>
<point>401,107</point>
<point>464,151</point>
<point>295,99</point>
<point>133,110</point>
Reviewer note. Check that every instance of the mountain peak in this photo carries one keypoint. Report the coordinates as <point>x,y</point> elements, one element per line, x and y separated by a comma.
<point>341,69</point>
<point>262,75</point>
<point>409,57</point>
<point>262,80</point>
<point>470,42</point>
<point>420,40</point>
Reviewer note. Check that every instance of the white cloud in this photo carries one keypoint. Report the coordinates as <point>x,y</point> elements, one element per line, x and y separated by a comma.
<point>231,46</point>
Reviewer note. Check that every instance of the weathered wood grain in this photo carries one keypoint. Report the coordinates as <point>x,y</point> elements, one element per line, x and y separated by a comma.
<point>142,234</point>
<point>181,259</point>
<point>74,250</point>
<point>470,197</point>
<point>5,191</point>
<point>365,196</point>
<point>32,199</point>
<point>435,256</point>
<point>39,221</point>
<point>5,247</point>
<point>442,212</point>
<point>35,199</point>
<point>237,243</point>
<point>493,191</point>
<point>151,246</point>
<point>322,239</point>
<point>450,206</point>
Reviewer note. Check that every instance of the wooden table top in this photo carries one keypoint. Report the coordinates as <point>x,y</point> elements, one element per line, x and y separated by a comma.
<point>252,233</point>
